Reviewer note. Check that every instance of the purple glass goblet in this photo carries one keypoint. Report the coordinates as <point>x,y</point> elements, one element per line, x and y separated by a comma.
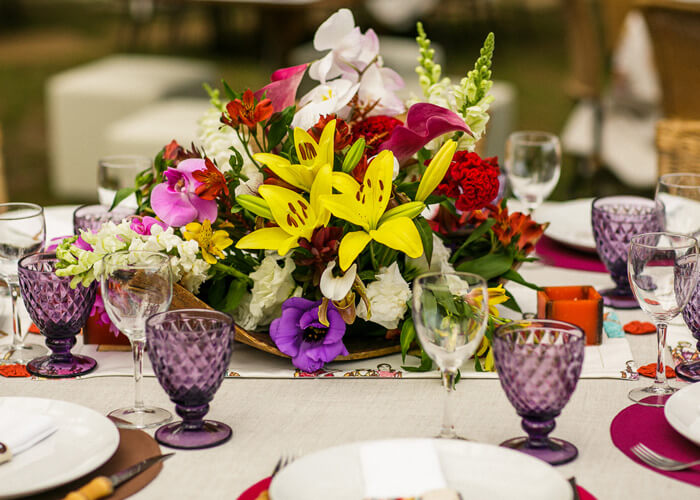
<point>91,217</point>
<point>615,220</point>
<point>190,350</point>
<point>59,311</point>
<point>691,314</point>
<point>539,363</point>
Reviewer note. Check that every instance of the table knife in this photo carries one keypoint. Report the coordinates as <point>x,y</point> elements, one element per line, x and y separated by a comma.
<point>103,486</point>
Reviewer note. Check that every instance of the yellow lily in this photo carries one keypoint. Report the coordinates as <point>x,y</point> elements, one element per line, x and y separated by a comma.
<point>295,217</point>
<point>436,170</point>
<point>364,207</point>
<point>312,156</point>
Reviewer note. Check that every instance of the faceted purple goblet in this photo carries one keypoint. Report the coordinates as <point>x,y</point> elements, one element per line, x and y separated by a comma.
<point>59,311</point>
<point>91,217</point>
<point>190,350</point>
<point>691,314</point>
<point>615,220</point>
<point>539,363</point>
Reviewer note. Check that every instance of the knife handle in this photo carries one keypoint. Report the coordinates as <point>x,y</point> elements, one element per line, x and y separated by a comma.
<point>99,487</point>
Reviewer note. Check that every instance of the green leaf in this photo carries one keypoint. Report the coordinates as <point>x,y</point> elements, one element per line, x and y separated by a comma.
<point>230,93</point>
<point>121,195</point>
<point>367,275</point>
<point>426,364</point>
<point>408,335</point>
<point>476,234</point>
<point>513,275</point>
<point>409,188</point>
<point>511,303</point>
<point>279,127</point>
<point>489,266</point>
<point>426,236</point>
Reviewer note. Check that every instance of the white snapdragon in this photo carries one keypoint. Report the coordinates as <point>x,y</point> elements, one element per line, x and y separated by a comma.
<point>387,296</point>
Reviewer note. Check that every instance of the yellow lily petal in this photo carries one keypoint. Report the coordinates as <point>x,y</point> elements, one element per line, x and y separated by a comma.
<point>345,183</point>
<point>345,206</point>
<point>268,238</point>
<point>436,170</point>
<point>326,144</point>
<point>290,210</point>
<point>311,153</point>
<point>375,191</point>
<point>323,185</point>
<point>410,210</point>
<point>297,175</point>
<point>400,234</point>
<point>350,247</point>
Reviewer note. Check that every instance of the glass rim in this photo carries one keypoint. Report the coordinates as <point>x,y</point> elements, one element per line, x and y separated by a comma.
<point>226,317</point>
<point>38,255</point>
<point>663,178</point>
<point>164,257</point>
<point>106,208</point>
<point>430,274</point>
<point>654,205</point>
<point>20,204</point>
<point>531,137</point>
<point>693,242</point>
<point>526,324</point>
<point>124,161</point>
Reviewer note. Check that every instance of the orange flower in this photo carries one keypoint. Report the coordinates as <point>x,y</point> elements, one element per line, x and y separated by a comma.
<point>213,181</point>
<point>246,111</point>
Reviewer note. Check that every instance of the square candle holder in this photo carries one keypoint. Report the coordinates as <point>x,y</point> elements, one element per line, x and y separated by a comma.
<point>578,305</point>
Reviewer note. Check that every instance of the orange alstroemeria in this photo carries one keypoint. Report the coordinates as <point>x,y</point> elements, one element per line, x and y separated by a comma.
<point>508,226</point>
<point>246,111</point>
<point>213,181</point>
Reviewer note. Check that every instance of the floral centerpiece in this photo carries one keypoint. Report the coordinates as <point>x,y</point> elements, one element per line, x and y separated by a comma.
<point>308,217</point>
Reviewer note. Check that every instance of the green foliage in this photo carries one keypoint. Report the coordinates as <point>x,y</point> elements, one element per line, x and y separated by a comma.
<point>426,236</point>
<point>408,336</point>
<point>354,155</point>
<point>489,266</point>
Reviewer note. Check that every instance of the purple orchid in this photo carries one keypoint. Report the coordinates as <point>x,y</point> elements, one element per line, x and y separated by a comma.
<point>175,201</point>
<point>424,122</point>
<point>283,87</point>
<point>143,225</point>
<point>298,333</point>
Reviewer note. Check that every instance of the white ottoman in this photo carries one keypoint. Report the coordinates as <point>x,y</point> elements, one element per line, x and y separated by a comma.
<point>83,102</point>
<point>149,129</point>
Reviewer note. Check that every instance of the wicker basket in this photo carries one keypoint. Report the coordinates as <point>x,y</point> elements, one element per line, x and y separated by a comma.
<point>678,144</point>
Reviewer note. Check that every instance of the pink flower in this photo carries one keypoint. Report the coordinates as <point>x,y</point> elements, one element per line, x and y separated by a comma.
<point>143,225</point>
<point>424,122</point>
<point>98,309</point>
<point>283,89</point>
<point>175,201</point>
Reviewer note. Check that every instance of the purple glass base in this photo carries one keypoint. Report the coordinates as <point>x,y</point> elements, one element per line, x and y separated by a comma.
<point>613,297</point>
<point>690,372</point>
<point>210,434</point>
<point>61,366</point>
<point>555,452</point>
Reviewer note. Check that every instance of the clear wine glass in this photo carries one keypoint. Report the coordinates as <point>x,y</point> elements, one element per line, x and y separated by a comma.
<point>136,285</point>
<point>450,312</point>
<point>662,271</point>
<point>22,232</point>
<point>680,195</point>
<point>533,165</point>
<point>118,172</point>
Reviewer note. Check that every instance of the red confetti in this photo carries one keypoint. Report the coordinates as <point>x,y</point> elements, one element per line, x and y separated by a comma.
<point>33,329</point>
<point>650,371</point>
<point>639,327</point>
<point>14,371</point>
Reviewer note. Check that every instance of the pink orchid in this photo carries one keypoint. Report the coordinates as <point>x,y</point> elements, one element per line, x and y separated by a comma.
<point>143,225</point>
<point>175,201</point>
<point>424,122</point>
<point>283,87</point>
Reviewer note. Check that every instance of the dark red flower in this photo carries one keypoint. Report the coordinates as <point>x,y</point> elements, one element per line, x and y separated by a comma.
<point>176,153</point>
<point>342,138</point>
<point>213,181</point>
<point>375,130</point>
<point>471,181</point>
<point>323,248</point>
<point>246,111</point>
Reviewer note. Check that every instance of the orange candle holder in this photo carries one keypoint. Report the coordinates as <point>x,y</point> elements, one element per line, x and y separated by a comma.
<point>578,305</point>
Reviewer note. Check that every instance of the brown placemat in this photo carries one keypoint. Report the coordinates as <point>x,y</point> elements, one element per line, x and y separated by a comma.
<point>134,446</point>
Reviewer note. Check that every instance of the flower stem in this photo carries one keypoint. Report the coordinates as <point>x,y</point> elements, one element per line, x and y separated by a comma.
<point>247,151</point>
<point>232,272</point>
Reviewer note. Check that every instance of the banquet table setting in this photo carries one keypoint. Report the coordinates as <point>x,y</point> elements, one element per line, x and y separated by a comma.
<point>335,296</point>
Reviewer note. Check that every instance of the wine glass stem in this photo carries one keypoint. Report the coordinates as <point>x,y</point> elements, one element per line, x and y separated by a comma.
<point>448,426</point>
<point>137,347</point>
<point>17,334</point>
<point>660,365</point>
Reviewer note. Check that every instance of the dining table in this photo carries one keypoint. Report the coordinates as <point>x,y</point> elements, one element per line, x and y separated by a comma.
<point>271,417</point>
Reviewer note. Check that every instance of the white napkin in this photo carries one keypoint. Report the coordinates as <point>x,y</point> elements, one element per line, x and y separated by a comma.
<point>19,431</point>
<point>400,468</point>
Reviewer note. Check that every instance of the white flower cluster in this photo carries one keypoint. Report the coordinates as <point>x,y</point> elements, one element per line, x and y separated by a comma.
<point>387,296</point>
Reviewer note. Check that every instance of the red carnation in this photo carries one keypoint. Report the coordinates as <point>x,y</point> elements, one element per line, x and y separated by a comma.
<point>471,180</point>
<point>376,130</point>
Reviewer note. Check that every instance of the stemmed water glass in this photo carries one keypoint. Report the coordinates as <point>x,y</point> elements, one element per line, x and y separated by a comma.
<point>662,271</point>
<point>450,312</point>
<point>135,285</point>
<point>22,232</point>
<point>118,172</point>
<point>91,217</point>
<point>680,195</point>
<point>533,166</point>
<point>539,362</point>
<point>190,350</point>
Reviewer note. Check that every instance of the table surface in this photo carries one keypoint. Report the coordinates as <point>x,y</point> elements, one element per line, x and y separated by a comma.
<point>270,417</point>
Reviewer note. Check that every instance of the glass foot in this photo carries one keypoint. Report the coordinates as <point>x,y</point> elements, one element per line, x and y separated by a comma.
<point>22,354</point>
<point>72,366</point>
<point>612,297</point>
<point>689,372</point>
<point>556,451</point>
<point>211,433</point>
<point>140,418</point>
<point>652,395</point>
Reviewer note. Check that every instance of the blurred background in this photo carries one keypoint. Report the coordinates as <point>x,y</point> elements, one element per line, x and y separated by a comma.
<point>80,79</point>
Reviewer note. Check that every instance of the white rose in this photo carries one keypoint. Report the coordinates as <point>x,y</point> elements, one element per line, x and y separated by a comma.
<point>387,298</point>
<point>197,274</point>
<point>440,261</point>
<point>272,285</point>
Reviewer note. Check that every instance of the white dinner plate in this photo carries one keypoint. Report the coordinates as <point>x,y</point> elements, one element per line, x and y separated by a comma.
<point>682,411</point>
<point>476,470</point>
<point>83,442</point>
<point>569,223</point>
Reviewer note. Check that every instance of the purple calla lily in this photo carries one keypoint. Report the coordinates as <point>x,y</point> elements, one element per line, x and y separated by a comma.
<point>424,122</point>
<point>283,87</point>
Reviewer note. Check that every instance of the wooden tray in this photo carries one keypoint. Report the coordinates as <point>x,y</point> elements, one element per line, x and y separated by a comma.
<point>358,347</point>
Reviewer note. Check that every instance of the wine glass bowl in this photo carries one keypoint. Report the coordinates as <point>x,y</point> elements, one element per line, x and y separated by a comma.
<point>616,220</point>
<point>59,312</point>
<point>691,315</point>
<point>190,350</point>
<point>680,195</point>
<point>539,363</point>
<point>118,172</point>
<point>91,217</point>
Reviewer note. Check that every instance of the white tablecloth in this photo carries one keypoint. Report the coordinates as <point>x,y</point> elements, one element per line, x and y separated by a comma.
<point>273,416</point>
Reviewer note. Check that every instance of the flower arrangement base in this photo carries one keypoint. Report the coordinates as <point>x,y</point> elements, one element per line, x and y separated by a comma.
<point>95,332</point>
<point>358,347</point>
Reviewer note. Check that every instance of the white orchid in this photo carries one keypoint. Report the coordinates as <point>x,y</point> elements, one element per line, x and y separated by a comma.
<point>388,296</point>
<point>325,99</point>
<point>337,288</point>
<point>377,87</point>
